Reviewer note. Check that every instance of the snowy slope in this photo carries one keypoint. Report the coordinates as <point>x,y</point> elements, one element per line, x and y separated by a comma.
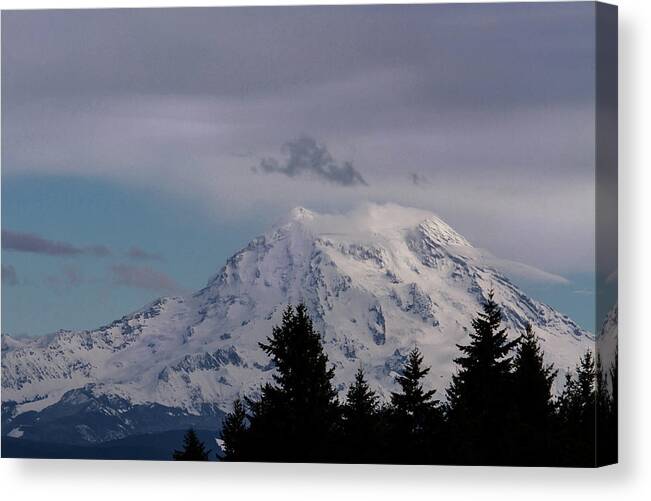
<point>607,339</point>
<point>377,281</point>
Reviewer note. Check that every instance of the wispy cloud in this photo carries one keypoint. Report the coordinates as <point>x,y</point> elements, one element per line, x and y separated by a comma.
<point>512,269</point>
<point>137,253</point>
<point>9,275</point>
<point>523,271</point>
<point>29,242</point>
<point>70,276</point>
<point>97,250</point>
<point>36,244</point>
<point>143,277</point>
<point>306,156</point>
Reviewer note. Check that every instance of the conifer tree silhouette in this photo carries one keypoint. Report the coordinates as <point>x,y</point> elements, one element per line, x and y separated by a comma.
<point>415,414</point>
<point>193,449</point>
<point>611,453</point>
<point>604,406</point>
<point>360,426</point>
<point>534,403</point>
<point>577,408</point>
<point>413,399</point>
<point>480,410</point>
<point>500,408</point>
<point>234,433</point>
<point>297,416</point>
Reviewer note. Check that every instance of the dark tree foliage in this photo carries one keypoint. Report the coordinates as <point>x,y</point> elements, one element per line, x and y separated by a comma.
<point>296,418</point>
<point>611,456</point>
<point>500,408</point>
<point>607,423</point>
<point>193,449</point>
<point>613,427</point>
<point>480,410</point>
<point>361,439</point>
<point>234,430</point>
<point>415,416</point>
<point>577,407</point>
<point>533,402</point>
<point>413,400</point>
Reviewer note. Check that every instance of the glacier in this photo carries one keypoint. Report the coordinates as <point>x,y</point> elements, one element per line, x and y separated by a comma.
<point>377,281</point>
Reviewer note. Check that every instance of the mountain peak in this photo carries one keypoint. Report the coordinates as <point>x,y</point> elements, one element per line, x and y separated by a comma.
<point>388,220</point>
<point>437,229</point>
<point>300,214</point>
<point>377,281</point>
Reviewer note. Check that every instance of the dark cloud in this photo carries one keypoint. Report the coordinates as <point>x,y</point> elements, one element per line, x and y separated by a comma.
<point>29,242</point>
<point>9,275</point>
<point>306,156</point>
<point>418,179</point>
<point>137,253</point>
<point>143,277</point>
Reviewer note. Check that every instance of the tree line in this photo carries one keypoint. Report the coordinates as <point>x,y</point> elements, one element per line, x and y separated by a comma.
<point>499,408</point>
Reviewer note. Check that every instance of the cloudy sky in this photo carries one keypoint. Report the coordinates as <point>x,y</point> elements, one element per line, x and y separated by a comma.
<point>140,148</point>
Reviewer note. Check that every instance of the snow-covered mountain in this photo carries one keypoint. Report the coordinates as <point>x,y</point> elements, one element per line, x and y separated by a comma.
<point>377,281</point>
<point>606,343</point>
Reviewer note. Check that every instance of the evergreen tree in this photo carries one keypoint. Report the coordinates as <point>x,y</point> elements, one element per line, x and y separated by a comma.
<point>533,399</point>
<point>612,453</point>
<point>606,400</point>
<point>568,404</point>
<point>296,418</point>
<point>193,449</point>
<point>480,403</point>
<point>586,376</point>
<point>577,408</point>
<point>360,427</point>
<point>416,417</point>
<point>413,399</point>
<point>234,432</point>
<point>500,408</point>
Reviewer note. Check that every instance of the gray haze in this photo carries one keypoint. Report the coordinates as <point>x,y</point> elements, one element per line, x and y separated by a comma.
<point>482,113</point>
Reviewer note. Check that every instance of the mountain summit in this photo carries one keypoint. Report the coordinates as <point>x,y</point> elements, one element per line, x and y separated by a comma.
<point>377,281</point>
